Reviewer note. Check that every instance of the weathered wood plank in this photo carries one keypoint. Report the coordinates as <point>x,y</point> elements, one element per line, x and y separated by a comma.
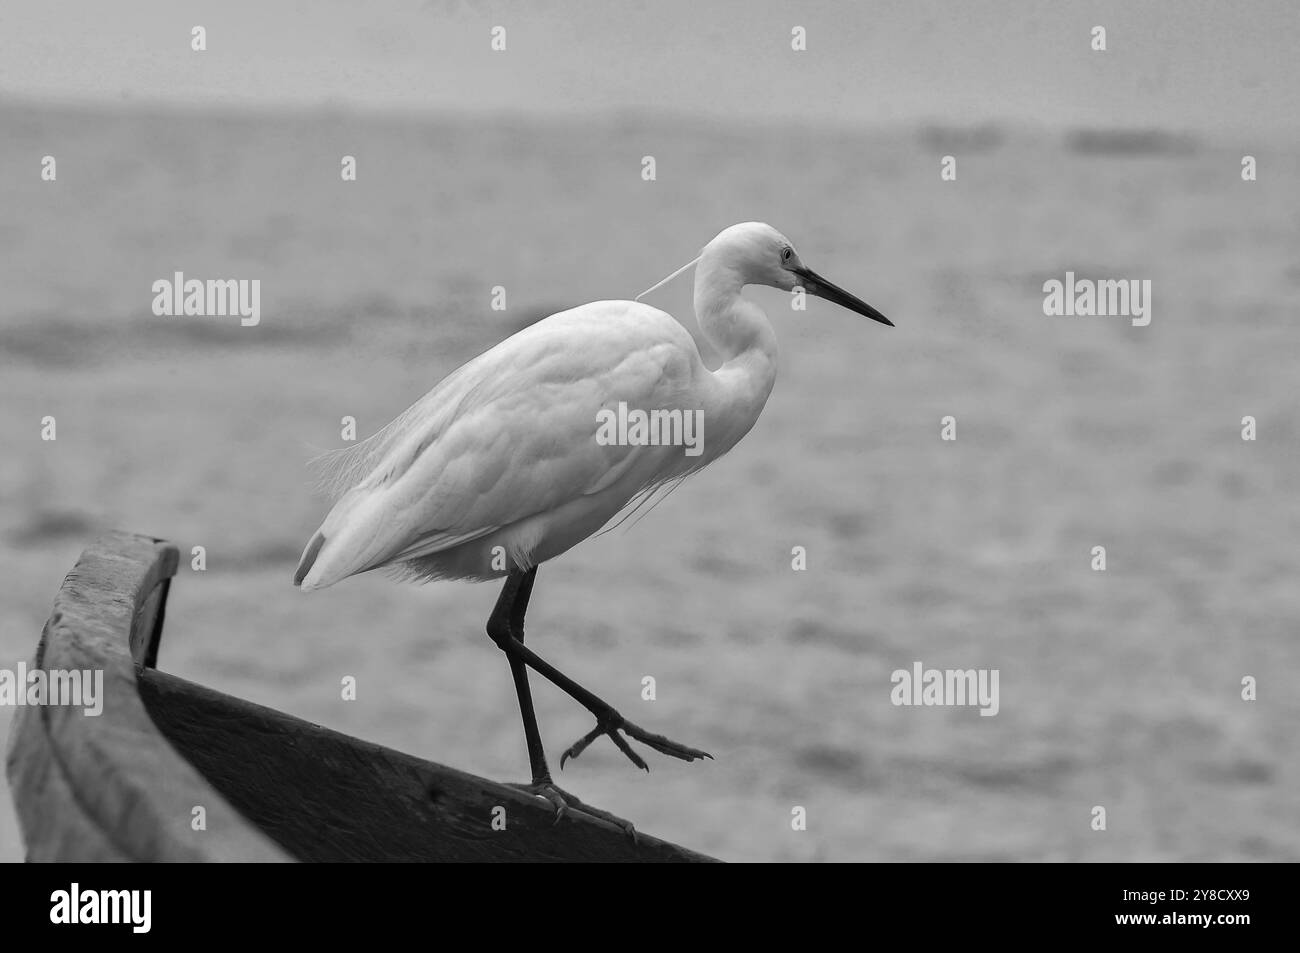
<point>111,787</point>
<point>325,796</point>
<point>122,786</point>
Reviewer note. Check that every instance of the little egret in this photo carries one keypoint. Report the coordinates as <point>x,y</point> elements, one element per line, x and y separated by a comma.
<point>501,466</point>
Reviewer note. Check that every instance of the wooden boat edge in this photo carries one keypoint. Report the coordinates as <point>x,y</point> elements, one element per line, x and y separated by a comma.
<point>125,786</point>
<point>76,797</point>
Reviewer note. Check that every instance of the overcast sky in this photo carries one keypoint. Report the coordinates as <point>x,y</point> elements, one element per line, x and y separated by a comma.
<point>1191,63</point>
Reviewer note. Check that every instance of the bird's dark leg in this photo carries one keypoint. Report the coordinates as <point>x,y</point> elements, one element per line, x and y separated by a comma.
<point>507,622</point>
<point>506,628</point>
<point>608,721</point>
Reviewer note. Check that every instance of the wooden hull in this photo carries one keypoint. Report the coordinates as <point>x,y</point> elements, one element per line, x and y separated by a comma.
<point>125,785</point>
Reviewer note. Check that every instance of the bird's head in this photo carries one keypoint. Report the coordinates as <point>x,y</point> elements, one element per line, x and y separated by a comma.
<point>761,255</point>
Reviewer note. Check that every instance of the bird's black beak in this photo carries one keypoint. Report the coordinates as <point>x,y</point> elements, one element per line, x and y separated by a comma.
<point>815,284</point>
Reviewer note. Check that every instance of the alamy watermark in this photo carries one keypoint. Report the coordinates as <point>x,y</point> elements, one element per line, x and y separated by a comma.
<point>653,428</point>
<point>950,687</point>
<point>1127,297</point>
<point>74,688</point>
<point>216,297</point>
<point>130,907</point>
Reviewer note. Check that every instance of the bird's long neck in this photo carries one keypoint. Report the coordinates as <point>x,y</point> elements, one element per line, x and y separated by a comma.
<point>731,324</point>
<point>740,333</point>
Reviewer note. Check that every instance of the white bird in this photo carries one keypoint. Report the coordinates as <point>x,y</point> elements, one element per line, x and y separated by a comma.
<point>499,467</point>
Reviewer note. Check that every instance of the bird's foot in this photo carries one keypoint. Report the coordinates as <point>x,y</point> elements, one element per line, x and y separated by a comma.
<point>564,803</point>
<point>614,723</point>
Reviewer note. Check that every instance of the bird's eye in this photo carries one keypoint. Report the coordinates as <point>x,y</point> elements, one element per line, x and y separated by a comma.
<point>787,254</point>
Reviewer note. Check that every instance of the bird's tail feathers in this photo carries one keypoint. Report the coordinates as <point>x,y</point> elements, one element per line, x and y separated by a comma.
<point>308,558</point>
<point>350,541</point>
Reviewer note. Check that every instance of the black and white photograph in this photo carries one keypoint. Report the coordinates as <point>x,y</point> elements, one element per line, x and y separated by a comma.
<point>685,431</point>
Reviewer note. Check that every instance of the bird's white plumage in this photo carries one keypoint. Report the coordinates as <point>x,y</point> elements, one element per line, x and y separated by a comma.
<point>503,452</point>
<point>510,437</point>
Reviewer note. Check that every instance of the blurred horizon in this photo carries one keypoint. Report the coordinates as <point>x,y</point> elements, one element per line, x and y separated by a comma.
<point>965,133</point>
<point>1186,65</point>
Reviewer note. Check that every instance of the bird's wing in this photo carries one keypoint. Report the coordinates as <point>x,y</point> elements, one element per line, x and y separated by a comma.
<point>512,433</point>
